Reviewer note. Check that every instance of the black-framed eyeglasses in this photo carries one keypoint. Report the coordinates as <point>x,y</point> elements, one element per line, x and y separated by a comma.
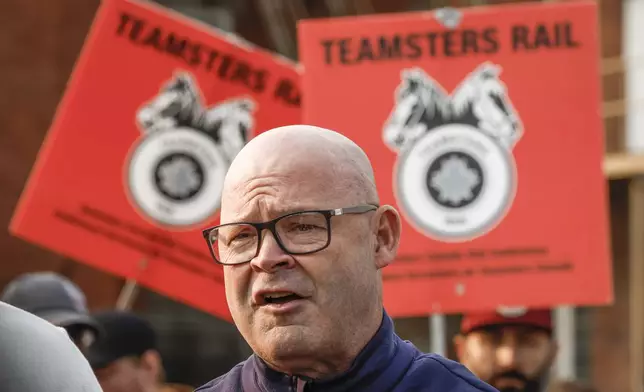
<point>297,233</point>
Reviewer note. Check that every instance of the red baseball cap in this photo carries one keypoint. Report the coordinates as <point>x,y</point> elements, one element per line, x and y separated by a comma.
<point>538,318</point>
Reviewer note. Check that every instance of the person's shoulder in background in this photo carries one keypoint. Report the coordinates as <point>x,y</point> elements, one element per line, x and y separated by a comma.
<point>432,372</point>
<point>37,356</point>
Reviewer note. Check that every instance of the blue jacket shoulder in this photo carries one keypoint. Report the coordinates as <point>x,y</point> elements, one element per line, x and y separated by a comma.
<point>228,382</point>
<point>432,372</point>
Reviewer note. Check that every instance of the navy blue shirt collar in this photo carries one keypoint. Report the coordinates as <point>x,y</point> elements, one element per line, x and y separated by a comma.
<point>378,367</point>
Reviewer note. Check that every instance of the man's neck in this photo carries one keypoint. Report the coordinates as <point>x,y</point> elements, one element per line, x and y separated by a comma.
<point>336,362</point>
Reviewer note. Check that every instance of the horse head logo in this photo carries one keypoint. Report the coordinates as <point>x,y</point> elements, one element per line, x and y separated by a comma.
<point>179,104</point>
<point>229,124</point>
<point>420,103</point>
<point>483,97</point>
<point>176,105</point>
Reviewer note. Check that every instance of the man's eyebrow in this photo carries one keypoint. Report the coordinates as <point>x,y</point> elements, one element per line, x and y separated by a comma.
<point>291,210</point>
<point>253,217</point>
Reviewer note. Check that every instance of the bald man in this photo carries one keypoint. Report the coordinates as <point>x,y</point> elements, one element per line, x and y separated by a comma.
<point>302,239</point>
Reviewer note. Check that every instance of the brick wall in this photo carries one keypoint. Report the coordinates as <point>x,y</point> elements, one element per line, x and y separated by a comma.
<point>39,42</point>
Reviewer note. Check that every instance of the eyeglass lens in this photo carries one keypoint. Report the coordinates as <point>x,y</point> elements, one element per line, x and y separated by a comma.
<point>299,233</point>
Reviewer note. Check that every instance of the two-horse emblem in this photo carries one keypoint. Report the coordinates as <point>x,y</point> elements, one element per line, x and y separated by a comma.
<point>175,173</point>
<point>455,177</point>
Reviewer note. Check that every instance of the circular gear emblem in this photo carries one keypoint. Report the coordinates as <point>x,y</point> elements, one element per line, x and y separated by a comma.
<point>179,176</point>
<point>176,176</point>
<point>455,183</point>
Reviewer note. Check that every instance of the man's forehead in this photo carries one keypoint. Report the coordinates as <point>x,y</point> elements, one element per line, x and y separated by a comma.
<point>280,164</point>
<point>294,168</point>
<point>273,195</point>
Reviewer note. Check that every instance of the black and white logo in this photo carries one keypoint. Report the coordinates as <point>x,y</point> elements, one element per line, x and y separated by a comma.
<point>455,176</point>
<point>176,171</point>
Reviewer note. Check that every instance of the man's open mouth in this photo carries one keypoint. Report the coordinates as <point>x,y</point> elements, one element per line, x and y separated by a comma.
<point>280,298</point>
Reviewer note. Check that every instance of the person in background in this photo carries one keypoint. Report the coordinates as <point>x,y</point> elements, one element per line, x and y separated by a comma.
<point>127,359</point>
<point>56,299</point>
<point>36,356</point>
<point>513,351</point>
<point>303,240</point>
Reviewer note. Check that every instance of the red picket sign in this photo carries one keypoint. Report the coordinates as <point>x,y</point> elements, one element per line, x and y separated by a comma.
<point>484,128</point>
<point>133,165</point>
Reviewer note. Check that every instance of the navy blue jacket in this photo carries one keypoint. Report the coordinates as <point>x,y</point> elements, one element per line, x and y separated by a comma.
<point>386,364</point>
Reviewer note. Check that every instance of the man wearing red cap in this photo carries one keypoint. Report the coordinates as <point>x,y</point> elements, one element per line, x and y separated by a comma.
<point>511,349</point>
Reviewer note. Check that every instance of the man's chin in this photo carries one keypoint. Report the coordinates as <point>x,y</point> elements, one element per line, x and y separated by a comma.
<point>284,347</point>
<point>284,340</point>
<point>509,386</point>
<point>531,386</point>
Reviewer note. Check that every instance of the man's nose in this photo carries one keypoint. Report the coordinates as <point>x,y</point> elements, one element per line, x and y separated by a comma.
<point>271,256</point>
<point>507,356</point>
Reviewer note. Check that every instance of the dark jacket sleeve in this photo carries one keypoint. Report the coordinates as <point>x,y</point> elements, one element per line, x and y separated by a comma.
<point>36,356</point>
<point>432,372</point>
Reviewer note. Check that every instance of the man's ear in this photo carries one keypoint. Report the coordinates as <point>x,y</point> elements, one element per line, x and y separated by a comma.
<point>151,362</point>
<point>387,232</point>
<point>459,343</point>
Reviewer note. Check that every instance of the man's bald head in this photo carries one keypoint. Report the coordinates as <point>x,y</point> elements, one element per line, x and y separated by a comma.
<point>319,152</point>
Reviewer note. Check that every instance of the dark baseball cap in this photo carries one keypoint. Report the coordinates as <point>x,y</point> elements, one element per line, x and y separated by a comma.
<point>125,335</point>
<point>52,297</point>
<point>536,318</point>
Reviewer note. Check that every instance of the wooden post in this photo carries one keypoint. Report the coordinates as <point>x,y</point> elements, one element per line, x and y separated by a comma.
<point>128,295</point>
<point>130,290</point>
<point>636,278</point>
<point>623,165</point>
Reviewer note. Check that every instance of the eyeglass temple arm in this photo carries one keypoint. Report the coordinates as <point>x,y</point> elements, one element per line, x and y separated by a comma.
<point>354,210</point>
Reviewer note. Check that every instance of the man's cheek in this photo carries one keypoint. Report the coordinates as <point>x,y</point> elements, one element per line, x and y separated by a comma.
<point>236,283</point>
<point>533,370</point>
<point>480,361</point>
<point>233,296</point>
